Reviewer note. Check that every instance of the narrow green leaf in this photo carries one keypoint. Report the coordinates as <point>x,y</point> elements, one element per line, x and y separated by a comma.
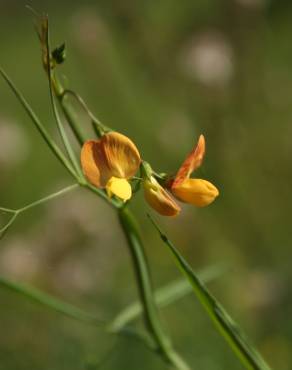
<point>224,323</point>
<point>48,300</point>
<point>69,310</point>
<point>164,296</point>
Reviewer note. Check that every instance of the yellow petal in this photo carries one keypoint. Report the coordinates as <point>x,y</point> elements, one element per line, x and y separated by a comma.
<point>159,199</point>
<point>191,163</point>
<point>119,187</point>
<point>196,191</point>
<point>121,155</point>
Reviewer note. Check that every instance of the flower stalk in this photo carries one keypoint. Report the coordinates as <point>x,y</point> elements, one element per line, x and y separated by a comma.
<point>151,316</point>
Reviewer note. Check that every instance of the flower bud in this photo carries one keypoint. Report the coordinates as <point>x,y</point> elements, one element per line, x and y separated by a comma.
<point>195,191</point>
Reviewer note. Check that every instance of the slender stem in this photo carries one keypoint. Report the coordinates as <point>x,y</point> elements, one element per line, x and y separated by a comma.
<point>7,210</point>
<point>49,197</point>
<point>51,143</point>
<point>62,131</point>
<point>99,127</point>
<point>151,315</point>
<point>9,223</point>
<point>16,212</point>
<point>102,194</point>
<point>71,119</point>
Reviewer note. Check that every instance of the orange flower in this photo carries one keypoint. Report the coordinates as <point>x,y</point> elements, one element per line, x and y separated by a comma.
<point>158,198</point>
<point>194,191</point>
<point>110,162</point>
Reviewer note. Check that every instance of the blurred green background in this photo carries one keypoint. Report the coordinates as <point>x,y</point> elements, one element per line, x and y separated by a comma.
<point>161,72</point>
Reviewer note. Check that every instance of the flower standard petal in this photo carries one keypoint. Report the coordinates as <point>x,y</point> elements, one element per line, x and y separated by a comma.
<point>191,163</point>
<point>196,191</point>
<point>113,156</point>
<point>159,199</point>
<point>121,155</point>
<point>94,163</point>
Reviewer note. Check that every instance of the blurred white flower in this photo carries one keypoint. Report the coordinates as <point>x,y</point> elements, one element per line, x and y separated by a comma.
<point>208,59</point>
<point>14,146</point>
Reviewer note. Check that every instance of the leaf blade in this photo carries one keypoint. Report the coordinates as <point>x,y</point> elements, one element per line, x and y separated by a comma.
<point>164,296</point>
<point>227,327</point>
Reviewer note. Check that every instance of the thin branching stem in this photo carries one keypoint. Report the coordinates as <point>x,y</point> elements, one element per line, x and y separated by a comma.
<point>49,197</point>
<point>17,212</point>
<point>98,127</point>
<point>9,223</point>
<point>42,200</point>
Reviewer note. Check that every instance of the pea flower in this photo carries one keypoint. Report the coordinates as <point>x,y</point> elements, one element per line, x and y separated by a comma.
<point>109,163</point>
<point>194,191</point>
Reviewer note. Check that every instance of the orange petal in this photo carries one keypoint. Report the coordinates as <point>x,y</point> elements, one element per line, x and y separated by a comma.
<point>90,168</point>
<point>159,199</point>
<point>114,155</point>
<point>192,162</point>
<point>196,191</point>
<point>121,155</point>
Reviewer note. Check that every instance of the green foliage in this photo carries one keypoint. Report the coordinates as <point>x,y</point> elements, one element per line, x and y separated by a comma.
<point>129,62</point>
<point>226,325</point>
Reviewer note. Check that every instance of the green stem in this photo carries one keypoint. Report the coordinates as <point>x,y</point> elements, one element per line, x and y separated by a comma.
<point>61,128</point>
<point>16,212</point>
<point>49,197</point>
<point>142,273</point>
<point>7,226</point>
<point>99,127</point>
<point>71,118</point>
<point>51,143</point>
<point>102,194</point>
